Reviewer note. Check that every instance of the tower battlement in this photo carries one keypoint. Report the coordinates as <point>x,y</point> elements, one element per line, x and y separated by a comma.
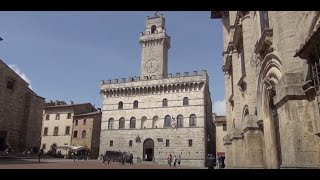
<point>154,77</point>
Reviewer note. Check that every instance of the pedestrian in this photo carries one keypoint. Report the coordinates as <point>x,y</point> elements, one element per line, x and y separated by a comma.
<point>174,161</point>
<point>131,158</point>
<point>88,158</point>
<point>169,160</point>
<point>210,162</point>
<point>222,162</point>
<point>73,156</point>
<point>179,160</point>
<point>104,158</point>
<point>123,158</point>
<point>40,154</point>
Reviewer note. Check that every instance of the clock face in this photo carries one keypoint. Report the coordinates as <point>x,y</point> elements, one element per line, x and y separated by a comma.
<point>152,66</point>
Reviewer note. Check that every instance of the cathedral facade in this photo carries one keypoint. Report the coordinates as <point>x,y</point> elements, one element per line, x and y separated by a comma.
<point>271,66</point>
<point>158,114</point>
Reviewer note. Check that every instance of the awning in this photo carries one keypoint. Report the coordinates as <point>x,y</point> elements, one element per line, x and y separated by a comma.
<point>79,148</point>
<point>65,147</point>
<point>220,154</point>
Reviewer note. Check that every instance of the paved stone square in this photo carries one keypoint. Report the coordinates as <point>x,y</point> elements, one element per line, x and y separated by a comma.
<point>69,164</point>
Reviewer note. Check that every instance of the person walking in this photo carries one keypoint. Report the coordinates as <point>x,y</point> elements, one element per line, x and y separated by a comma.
<point>169,160</point>
<point>174,161</point>
<point>179,160</point>
<point>40,154</point>
<point>104,158</point>
<point>210,162</point>
<point>131,158</point>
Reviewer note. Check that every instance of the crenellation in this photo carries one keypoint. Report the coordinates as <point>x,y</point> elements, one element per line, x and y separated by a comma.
<point>152,77</point>
<point>195,73</point>
<point>204,73</point>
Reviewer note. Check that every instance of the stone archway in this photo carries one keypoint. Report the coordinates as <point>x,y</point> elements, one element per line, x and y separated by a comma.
<point>54,149</point>
<point>3,136</point>
<point>148,150</point>
<point>269,76</point>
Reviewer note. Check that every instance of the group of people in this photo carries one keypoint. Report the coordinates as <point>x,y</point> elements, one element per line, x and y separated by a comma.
<point>122,159</point>
<point>84,154</point>
<point>212,162</point>
<point>175,160</point>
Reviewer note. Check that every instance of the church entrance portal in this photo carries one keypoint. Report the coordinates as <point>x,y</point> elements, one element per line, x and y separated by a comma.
<point>3,136</point>
<point>148,150</point>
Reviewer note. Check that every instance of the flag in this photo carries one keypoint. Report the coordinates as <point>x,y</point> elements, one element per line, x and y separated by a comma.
<point>173,123</point>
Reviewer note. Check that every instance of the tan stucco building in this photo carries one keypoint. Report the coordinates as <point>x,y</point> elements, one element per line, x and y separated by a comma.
<point>137,112</point>
<point>20,112</point>
<point>221,131</point>
<point>57,126</point>
<point>86,131</point>
<point>271,66</point>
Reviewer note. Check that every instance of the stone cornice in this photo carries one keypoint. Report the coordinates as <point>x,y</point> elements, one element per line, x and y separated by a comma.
<point>155,39</point>
<point>153,87</point>
<point>264,43</point>
<point>289,88</point>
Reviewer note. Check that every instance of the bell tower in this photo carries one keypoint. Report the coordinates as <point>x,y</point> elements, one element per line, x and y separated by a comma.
<point>155,45</point>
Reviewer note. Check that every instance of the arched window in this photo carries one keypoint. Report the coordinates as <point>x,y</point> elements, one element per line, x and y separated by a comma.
<point>143,122</point>
<point>110,123</point>
<point>153,29</point>
<point>135,104</point>
<point>120,106</point>
<point>193,120</point>
<point>84,134</point>
<point>154,122</point>
<point>121,123</point>
<point>180,120</point>
<point>133,123</point>
<point>165,102</point>
<point>75,134</point>
<point>185,101</point>
<point>167,121</point>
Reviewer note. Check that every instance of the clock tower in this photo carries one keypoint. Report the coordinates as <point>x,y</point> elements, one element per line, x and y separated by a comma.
<point>155,44</point>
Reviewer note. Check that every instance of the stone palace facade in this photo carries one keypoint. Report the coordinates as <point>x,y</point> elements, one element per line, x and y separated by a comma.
<point>136,114</point>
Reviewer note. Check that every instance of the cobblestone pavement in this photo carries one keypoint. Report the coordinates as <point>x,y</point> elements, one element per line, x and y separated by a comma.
<point>69,164</point>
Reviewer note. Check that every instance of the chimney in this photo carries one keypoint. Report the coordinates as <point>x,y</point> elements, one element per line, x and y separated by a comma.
<point>99,109</point>
<point>71,102</point>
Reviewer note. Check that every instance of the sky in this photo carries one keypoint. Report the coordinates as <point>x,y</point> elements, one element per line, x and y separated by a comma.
<point>65,55</point>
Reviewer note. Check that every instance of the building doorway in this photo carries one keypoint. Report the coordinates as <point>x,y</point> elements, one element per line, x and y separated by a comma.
<point>3,137</point>
<point>148,150</point>
<point>275,120</point>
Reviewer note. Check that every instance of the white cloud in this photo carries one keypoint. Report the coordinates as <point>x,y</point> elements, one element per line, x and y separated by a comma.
<point>21,74</point>
<point>219,107</point>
